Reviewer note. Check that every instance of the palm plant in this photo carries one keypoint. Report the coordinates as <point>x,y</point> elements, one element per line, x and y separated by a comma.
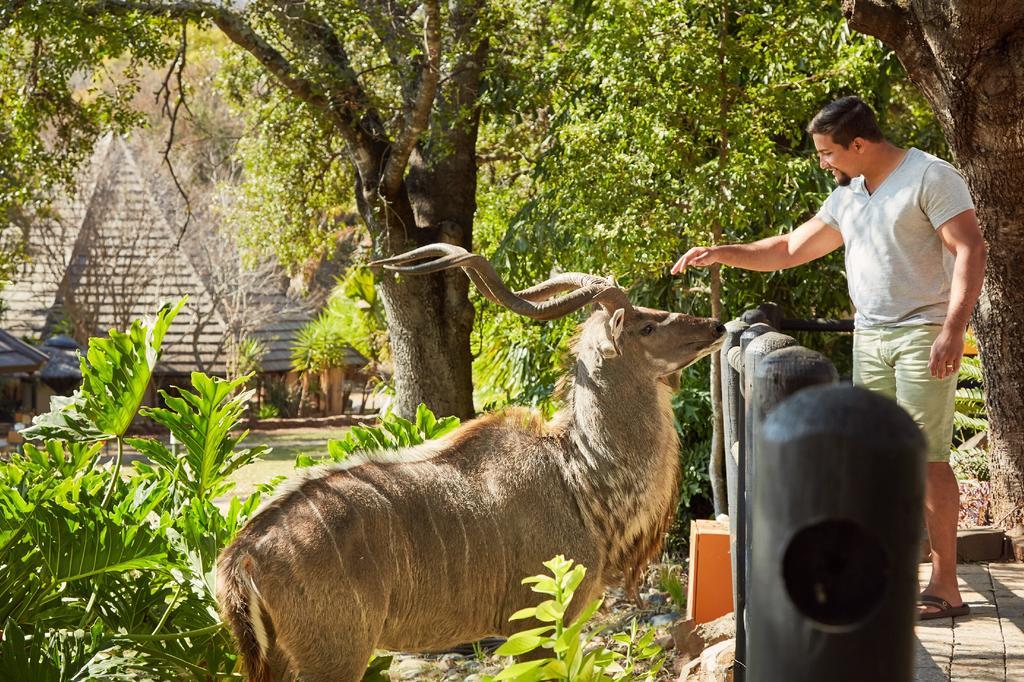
<point>319,347</point>
<point>353,317</point>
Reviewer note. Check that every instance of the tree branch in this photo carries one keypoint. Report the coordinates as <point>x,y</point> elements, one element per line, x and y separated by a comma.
<point>186,9</point>
<point>390,28</point>
<point>345,94</point>
<point>417,110</point>
<point>177,70</point>
<point>883,19</point>
<point>895,26</point>
<point>234,26</point>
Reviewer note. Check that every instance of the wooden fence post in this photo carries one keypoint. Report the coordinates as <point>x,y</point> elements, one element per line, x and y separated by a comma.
<point>837,509</point>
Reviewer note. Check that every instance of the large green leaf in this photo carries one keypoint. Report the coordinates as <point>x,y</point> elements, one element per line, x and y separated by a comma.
<point>115,374</point>
<point>48,575</point>
<point>22,585</point>
<point>56,656</point>
<point>75,547</point>
<point>202,422</point>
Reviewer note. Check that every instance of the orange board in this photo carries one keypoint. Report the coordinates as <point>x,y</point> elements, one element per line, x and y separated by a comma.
<point>970,348</point>
<point>709,593</point>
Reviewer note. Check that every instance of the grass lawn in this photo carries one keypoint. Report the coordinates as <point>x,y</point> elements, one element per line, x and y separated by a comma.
<point>287,444</point>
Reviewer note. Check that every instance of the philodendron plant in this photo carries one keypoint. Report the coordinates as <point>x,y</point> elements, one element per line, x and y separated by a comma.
<point>107,576</point>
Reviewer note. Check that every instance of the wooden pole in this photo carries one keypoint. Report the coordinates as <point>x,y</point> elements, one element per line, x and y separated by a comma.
<point>837,510</point>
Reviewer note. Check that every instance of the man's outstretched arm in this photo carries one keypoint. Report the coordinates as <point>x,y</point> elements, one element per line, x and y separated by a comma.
<point>812,240</point>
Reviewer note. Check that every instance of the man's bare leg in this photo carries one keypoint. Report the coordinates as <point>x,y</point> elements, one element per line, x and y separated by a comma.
<point>941,509</point>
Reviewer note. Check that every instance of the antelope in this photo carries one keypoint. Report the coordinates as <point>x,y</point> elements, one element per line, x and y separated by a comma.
<point>426,548</point>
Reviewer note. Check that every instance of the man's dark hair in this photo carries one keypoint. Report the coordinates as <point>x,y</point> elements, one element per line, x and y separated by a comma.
<point>845,119</point>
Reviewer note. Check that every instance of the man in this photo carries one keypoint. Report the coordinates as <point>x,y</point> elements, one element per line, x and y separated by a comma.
<point>915,260</point>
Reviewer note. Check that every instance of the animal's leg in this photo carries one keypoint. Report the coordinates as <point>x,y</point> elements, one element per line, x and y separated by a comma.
<point>319,654</point>
<point>347,666</point>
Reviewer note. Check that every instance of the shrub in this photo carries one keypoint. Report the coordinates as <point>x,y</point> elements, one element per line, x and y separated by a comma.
<point>393,432</point>
<point>111,577</point>
<point>570,660</point>
<point>282,396</point>
<point>267,411</point>
<point>969,420</point>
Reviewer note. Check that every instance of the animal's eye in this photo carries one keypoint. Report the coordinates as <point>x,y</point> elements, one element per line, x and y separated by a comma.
<point>646,331</point>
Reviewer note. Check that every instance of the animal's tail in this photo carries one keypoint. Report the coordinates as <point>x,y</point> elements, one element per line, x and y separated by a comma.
<point>240,606</point>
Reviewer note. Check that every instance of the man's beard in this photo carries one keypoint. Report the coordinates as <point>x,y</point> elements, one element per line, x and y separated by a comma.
<point>843,179</point>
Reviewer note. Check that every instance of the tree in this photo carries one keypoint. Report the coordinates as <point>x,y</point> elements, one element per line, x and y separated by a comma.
<point>395,86</point>
<point>967,58</point>
<point>47,129</point>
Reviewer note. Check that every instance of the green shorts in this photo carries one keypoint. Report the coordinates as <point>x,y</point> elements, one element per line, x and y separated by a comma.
<point>893,361</point>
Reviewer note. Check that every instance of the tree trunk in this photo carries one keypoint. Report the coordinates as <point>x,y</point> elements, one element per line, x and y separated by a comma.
<point>967,57</point>
<point>429,322</point>
<point>718,466</point>
<point>430,317</point>
<point>998,323</point>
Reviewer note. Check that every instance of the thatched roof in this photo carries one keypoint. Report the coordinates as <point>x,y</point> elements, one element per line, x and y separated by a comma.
<point>111,250</point>
<point>16,356</point>
<point>62,371</point>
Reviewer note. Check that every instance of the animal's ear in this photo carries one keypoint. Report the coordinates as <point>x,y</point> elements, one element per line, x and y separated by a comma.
<point>609,345</point>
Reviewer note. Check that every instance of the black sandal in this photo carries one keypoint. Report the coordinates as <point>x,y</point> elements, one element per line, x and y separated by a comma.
<point>945,610</point>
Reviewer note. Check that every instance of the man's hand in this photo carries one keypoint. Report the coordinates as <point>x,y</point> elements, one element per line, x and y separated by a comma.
<point>701,256</point>
<point>946,354</point>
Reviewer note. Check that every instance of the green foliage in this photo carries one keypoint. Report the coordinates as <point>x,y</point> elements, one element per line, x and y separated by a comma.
<point>115,374</point>
<point>104,577</point>
<point>393,432</point>
<point>57,94</point>
<point>570,659</point>
<point>670,582</point>
<point>367,333</point>
<point>282,396</point>
<point>692,411</point>
<point>201,421</point>
<point>320,345</point>
<point>246,358</point>
<point>354,316</point>
<point>519,362</point>
<point>268,411</point>
<point>377,670</point>
<point>969,419</point>
<point>297,190</point>
<point>970,464</point>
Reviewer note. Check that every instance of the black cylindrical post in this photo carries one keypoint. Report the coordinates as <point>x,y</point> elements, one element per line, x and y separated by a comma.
<point>732,405</point>
<point>772,313</point>
<point>776,376</point>
<point>837,511</point>
<point>738,524</point>
<point>732,408</point>
<point>754,351</point>
<point>753,354</point>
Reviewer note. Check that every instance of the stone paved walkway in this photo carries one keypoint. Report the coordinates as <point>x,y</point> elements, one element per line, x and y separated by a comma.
<point>986,645</point>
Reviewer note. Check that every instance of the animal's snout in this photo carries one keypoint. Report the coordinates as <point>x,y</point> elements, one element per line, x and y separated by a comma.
<point>720,328</point>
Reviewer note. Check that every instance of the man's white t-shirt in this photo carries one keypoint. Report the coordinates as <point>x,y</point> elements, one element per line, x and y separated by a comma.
<point>899,271</point>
